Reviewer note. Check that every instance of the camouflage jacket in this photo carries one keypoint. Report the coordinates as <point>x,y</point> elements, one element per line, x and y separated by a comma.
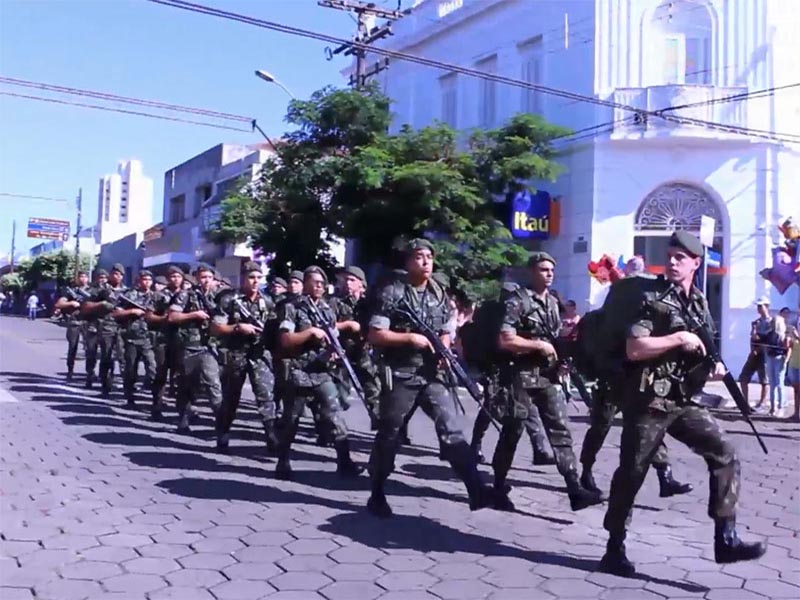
<point>104,321</point>
<point>135,329</point>
<point>192,335</point>
<point>228,312</point>
<point>430,302</point>
<point>531,317</point>
<point>159,303</point>
<point>69,292</point>
<point>347,308</point>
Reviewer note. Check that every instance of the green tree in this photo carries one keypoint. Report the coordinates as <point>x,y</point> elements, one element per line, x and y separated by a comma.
<point>341,173</point>
<point>53,266</point>
<point>11,282</point>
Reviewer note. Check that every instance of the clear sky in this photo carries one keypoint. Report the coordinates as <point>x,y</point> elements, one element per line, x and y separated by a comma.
<point>143,50</point>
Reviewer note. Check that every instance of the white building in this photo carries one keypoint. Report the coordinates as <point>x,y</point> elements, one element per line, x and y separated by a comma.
<point>628,184</point>
<point>125,202</point>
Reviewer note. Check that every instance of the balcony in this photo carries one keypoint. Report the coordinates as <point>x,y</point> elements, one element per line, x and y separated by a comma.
<point>701,102</point>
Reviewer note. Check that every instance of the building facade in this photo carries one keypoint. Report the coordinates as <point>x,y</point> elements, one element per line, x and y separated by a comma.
<point>673,128</point>
<point>193,192</point>
<point>125,202</point>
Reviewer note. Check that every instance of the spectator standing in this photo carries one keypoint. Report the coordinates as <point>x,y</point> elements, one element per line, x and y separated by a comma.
<point>756,360</point>
<point>33,306</point>
<point>793,362</point>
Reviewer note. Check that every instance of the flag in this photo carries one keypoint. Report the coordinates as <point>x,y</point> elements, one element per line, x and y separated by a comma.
<point>713,258</point>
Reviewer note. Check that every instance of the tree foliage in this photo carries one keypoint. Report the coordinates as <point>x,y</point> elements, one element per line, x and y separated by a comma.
<point>53,266</point>
<point>340,173</point>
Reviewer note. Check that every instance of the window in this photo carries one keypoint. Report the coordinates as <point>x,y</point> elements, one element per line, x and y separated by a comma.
<point>177,206</point>
<point>487,97</point>
<point>698,61</point>
<point>449,91</point>
<point>531,58</point>
<point>201,194</point>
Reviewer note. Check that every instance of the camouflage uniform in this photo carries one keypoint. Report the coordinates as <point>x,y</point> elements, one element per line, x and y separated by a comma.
<point>246,357</point>
<point>312,377</point>
<point>91,338</point>
<point>138,345</point>
<point>75,327</point>
<point>658,401</point>
<point>108,333</point>
<point>417,380</point>
<point>198,370</point>
<point>350,309</point>
<point>534,382</point>
<point>164,341</point>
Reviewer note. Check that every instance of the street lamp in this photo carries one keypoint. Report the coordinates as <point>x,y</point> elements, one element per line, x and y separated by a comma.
<point>270,78</point>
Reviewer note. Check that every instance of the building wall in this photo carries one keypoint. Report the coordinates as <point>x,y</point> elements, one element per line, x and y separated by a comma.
<point>125,202</point>
<point>126,250</point>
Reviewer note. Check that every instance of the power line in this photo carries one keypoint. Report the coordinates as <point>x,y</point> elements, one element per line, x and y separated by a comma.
<point>123,111</point>
<point>115,98</point>
<point>25,197</point>
<point>279,27</point>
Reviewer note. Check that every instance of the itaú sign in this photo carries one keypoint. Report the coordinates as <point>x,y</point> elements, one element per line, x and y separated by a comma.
<point>530,215</point>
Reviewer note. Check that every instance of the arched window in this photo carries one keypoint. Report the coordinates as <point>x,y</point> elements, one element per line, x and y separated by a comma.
<point>676,206</point>
<point>679,42</point>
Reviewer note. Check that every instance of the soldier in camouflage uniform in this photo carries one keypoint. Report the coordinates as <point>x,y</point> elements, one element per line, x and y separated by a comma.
<point>529,331</point>
<point>246,354</point>
<point>313,373</point>
<point>277,288</point>
<point>91,335</point>
<point>136,334</point>
<point>102,304</point>
<point>349,308</point>
<point>198,371</point>
<point>69,303</point>
<point>412,375</point>
<point>164,337</point>
<point>667,366</point>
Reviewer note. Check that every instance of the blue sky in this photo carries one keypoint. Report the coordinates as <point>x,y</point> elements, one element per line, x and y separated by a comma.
<point>143,50</point>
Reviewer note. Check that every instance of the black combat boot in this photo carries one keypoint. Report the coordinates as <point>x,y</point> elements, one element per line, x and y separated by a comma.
<point>283,469</point>
<point>588,482</point>
<point>477,449</point>
<point>183,423</point>
<point>377,504</point>
<point>70,372</point>
<point>271,436</point>
<point>345,467</point>
<point>668,485</point>
<point>155,409</point>
<point>130,402</point>
<point>580,497</point>
<point>542,457</point>
<point>501,499</point>
<point>223,441</point>
<point>614,560</point>
<point>402,437</point>
<point>728,548</point>
<point>89,381</point>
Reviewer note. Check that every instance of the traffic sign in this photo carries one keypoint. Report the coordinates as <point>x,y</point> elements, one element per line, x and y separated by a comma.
<point>48,229</point>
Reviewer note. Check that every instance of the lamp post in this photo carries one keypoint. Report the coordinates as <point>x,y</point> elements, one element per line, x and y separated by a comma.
<point>270,78</point>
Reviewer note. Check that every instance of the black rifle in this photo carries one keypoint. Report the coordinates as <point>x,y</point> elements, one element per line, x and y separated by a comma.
<point>131,302</point>
<point>700,329</point>
<point>453,369</point>
<point>206,307</point>
<point>336,347</point>
<point>76,294</point>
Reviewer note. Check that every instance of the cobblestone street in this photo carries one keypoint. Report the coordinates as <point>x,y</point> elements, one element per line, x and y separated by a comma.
<point>100,502</point>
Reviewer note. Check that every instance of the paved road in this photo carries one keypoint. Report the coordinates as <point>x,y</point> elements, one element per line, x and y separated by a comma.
<point>98,502</point>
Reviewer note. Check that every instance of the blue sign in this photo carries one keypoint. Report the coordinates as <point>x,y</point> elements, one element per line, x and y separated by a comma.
<point>713,258</point>
<point>530,215</point>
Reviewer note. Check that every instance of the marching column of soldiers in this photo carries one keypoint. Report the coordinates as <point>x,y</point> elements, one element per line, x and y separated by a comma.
<point>390,347</point>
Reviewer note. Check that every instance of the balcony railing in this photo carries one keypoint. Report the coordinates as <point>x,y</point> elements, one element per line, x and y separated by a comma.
<point>701,102</point>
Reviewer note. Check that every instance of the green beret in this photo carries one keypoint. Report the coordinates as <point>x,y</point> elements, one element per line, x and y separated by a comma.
<point>146,273</point>
<point>686,241</point>
<point>175,269</point>
<point>119,268</point>
<point>279,281</point>
<point>538,257</point>
<point>355,272</point>
<point>190,278</point>
<point>251,266</point>
<point>315,269</point>
<point>101,273</point>
<point>296,275</point>
<point>203,267</point>
<point>161,280</point>
<point>418,244</point>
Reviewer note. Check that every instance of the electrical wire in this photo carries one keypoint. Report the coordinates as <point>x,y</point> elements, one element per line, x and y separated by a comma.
<point>23,196</point>
<point>115,98</point>
<point>123,111</point>
<point>288,29</point>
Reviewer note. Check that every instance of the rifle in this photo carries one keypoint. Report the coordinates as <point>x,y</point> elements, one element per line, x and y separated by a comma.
<point>130,302</point>
<point>455,372</point>
<point>700,329</point>
<point>336,346</point>
<point>201,298</point>
<point>77,294</point>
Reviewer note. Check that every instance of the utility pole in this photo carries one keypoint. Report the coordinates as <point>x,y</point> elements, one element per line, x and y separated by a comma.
<point>365,36</point>
<point>78,203</point>
<point>13,243</point>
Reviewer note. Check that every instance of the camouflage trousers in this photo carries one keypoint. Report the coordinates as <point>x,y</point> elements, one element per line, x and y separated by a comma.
<point>432,396</point>
<point>73,339</point>
<point>552,408</point>
<point>166,357</point>
<point>236,368</point>
<point>136,352</point>
<point>601,416</point>
<point>198,377</point>
<point>109,343</point>
<point>91,341</point>
<point>532,423</point>
<point>643,431</point>
<point>367,373</point>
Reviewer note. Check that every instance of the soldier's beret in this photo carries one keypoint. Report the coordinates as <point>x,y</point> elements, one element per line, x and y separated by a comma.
<point>190,278</point>
<point>510,286</point>
<point>315,269</point>
<point>146,273</point>
<point>686,241</point>
<point>226,281</point>
<point>217,275</point>
<point>101,273</point>
<point>355,272</point>
<point>296,275</point>
<point>418,244</point>
<point>119,268</point>
<point>251,266</point>
<point>279,281</point>
<point>538,257</point>
<point>161,280</point>
<point>203,267</point>
<point>175,269</point>
<point>83,272</point>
